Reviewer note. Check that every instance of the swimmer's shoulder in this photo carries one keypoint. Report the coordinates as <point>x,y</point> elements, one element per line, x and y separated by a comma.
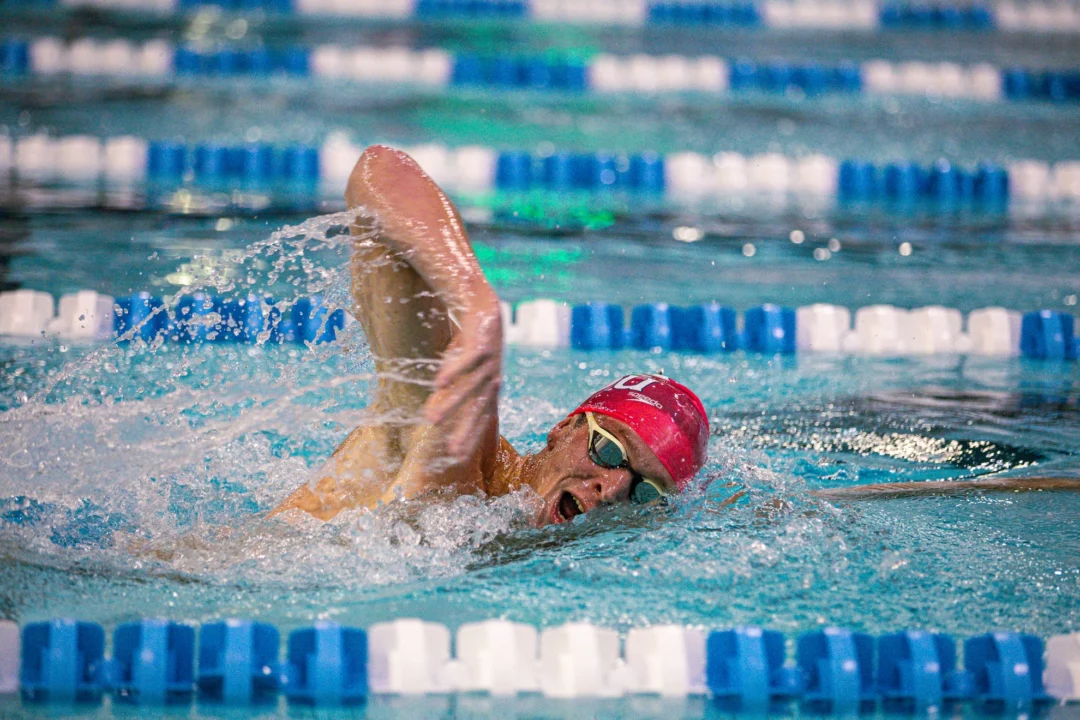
<point>505,470</point>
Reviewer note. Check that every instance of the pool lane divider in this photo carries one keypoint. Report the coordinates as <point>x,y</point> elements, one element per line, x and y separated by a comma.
<point>881,330</point>
<point>604,73</point>
<point>167,165</point>
<point>865,15</point>
<point>238,662</point>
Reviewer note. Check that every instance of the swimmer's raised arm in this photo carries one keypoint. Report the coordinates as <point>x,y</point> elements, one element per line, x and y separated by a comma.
<point>434,327</point>
<point>417,222</point>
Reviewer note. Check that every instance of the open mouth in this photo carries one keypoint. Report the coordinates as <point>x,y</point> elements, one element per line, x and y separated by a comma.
<point>568,507</point>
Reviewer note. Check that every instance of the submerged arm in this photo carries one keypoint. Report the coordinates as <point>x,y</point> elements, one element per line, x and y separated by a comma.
<point>883,491</point>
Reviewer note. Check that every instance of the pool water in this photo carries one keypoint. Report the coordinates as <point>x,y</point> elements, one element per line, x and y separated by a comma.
<point>134,479</point>
<point>171,455</point>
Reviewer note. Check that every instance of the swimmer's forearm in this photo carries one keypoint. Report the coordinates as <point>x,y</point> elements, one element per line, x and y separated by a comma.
<point>948,487</point>
<point>417,221</point>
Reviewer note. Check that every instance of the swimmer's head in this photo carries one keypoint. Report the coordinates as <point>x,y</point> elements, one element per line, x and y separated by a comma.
<point>635,440</point>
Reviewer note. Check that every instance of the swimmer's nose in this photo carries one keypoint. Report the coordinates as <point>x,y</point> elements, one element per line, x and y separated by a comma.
<point>614,487</point>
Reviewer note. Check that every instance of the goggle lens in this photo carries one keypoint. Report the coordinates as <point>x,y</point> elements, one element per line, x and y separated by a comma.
<point>606,453</point>
<point>645,492</point>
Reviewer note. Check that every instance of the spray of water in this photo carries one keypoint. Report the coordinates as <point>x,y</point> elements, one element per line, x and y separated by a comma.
<point>168,456</point>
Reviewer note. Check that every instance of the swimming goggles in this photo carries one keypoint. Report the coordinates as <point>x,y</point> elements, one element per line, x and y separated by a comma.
<point>606,451</point>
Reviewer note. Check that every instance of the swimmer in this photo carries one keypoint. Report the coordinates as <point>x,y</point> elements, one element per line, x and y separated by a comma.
<point>435,330</point>
<point>434,326</point>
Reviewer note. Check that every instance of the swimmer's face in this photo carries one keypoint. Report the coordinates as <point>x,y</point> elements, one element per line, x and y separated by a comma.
<point>571,483</point>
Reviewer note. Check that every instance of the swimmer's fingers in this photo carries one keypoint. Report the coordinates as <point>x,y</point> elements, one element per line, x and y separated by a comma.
<point>483,380</point>
<point>478,343</point>
<point>472,417</point>
<point>459,364</point>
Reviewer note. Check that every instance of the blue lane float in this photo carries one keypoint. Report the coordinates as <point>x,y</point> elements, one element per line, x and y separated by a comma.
<point>651,327</point>
<point>918,16</point>
<point>200,318</point>
<point>942,183</point>
<point>536,73</point>
<point>14,57</point>
<point>838,673</point>
<point>770,329</point>
<point>779,77</point>
<point>946,16</point>
<point>326,666</point>
<point>731,14</point>
<point>597,326</point>
<point>745,670</point>
<point>1006,670</point>
<point>210,164</point>
<point>476,9</point>
<point>916,671</point>
<point>1048,335</point>
<point>237,662</point>
<point>519,170</point>
<point>507,71</point>
<point>233,62</point>
<point>297,171</point>
<point>706,328</point>
<point>153,662</point>
<point>1048,85</point>
<point>62,661</point>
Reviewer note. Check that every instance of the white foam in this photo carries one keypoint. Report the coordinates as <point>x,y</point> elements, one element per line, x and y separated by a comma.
<point>821,327</point>
<point>84,315</point>
<point>994,331</point>
<point>880,330</point>
<point>934,330</point>
<point>78,158</point>
<point>124,159</point>
<point>48,56</point>
<point>36,158</point>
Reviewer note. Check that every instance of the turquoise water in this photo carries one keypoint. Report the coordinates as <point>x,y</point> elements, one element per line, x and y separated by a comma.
<point>134,480</point>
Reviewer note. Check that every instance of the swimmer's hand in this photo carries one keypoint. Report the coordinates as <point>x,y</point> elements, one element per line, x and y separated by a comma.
<point>466,394</point>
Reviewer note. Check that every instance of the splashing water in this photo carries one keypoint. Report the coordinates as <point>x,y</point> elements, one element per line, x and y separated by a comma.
<point>165,456</point>
<point>136,476</point>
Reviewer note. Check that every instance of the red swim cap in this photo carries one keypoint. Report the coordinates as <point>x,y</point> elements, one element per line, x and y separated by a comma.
<point>666,415</point>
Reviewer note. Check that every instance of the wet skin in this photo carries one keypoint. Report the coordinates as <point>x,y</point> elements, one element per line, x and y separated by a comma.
<point>434,327</point>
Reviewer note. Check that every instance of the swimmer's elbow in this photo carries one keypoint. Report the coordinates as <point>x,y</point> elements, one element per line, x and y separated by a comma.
<point>304,500</point>
<point>377,166</point>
